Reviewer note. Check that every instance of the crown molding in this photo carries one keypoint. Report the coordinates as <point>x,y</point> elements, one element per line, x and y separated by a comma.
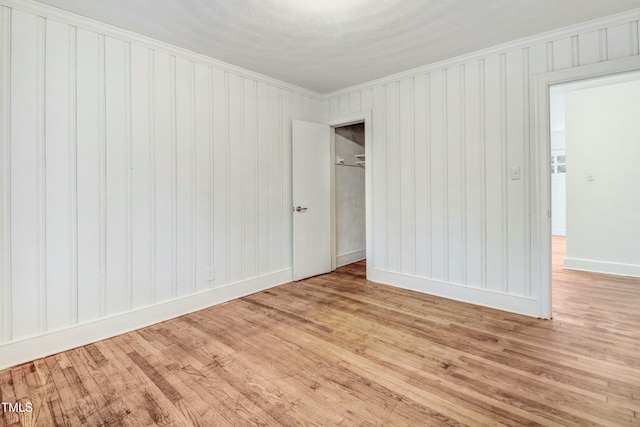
<point>70,18</point>
<point>549,36</point>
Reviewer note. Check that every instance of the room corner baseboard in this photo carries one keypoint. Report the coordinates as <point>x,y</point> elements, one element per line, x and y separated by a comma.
<point>25,350</point>
<point>350,257</point>
<point>604,267</point>
<point>527,306</point>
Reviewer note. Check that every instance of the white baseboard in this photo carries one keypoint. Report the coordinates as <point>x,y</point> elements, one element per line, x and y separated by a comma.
<point>527,306</point>
<point>28,349</point>
<point>350,257</point>
<point>605,267</point>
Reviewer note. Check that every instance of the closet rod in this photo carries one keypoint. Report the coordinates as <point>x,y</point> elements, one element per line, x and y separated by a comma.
<point>353,166</point>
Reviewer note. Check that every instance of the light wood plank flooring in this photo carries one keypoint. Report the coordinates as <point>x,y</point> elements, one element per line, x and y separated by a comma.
<point>338,350</point>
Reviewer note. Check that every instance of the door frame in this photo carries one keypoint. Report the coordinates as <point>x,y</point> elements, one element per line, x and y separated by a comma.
<point>540,254</point>
<point>345,120</point>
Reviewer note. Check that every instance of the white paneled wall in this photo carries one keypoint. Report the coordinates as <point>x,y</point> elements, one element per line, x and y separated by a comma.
<point>127,170</point>
<point>447,218</point>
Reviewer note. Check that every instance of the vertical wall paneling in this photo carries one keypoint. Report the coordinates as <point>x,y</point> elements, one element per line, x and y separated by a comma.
<point>344,105</point>
<point>141,182</point>
<point>173,87</point>
<point>355,102</point>
<point>454,187</point>
<point>394,237</point>
<point>287,204</point>
<point>421,162</point>
<point>619,42</point>
<point>250,178</point>
<point>73,166</point>
<point>406,149</point>
<point>516,131</point>
<point>127,170</point>
<point>562,54</point>
<point>263,187</point>
<point>366,99</point>
<point>275,171</point>
<point>58,191</point>
<point>116,175</point>
<point>317,109</point>
<point>163,176</point>
<point>526,170</point>
<point>549,53</point>
<point>221,174</point>
<point>193,174</point>
<point>89,174</point>
<point>575,51</point>
<point>185,167</point>
<point>306,108</point>
<point>102,174</point>
<point>26,61</point>
<point>504,176</point>
<point>153,295</point>
<point>473,175</point>
<point>445,174</point>
<point>483,173</point>
<point>5,174</point>
<point>326,110</point>
<point>41,174</point>
<point>538,60</point>
<point>202,174</point>
<point>378,162</point>
<point>128,176</point>
<point>437,172</point>
<point>463,175</point>
<point>538,64</point>
<point>589,48</point>
<point>236,183</point>
<point>296,106</point>
<point>494,171</point>
<point>604,45</point>
<point>334,106</point>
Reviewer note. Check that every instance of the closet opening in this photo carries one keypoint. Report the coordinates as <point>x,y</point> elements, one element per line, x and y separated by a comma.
<point>348,195</point>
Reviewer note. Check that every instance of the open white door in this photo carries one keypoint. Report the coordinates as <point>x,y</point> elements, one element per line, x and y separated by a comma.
<point>311,199</point>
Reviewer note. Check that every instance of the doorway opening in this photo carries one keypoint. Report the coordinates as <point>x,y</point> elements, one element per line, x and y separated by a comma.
<point>593,134</point>
<point>349,196</point>
<point>351,145</point>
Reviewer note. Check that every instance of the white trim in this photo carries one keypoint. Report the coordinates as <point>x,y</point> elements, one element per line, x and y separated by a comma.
<point>108,30</point>
<point>332,197</point>
<point>527,306</point>
<point>539,167</point>
<point>549,36</point>
<point>350,257</point>
<point>348,119</point>
<point>43,345</point>
<point>5,174</point>
<point>604,267</point>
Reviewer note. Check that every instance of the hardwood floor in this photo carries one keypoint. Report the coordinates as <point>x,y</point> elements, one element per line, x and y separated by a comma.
<point>338,350</point>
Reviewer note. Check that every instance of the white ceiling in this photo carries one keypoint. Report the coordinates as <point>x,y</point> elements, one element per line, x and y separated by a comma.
<point>325,45</point>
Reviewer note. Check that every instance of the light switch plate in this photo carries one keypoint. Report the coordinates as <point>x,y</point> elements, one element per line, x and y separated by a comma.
<point>515,173</point>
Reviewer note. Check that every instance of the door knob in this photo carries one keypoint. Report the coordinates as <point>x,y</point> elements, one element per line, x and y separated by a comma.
<point>300,209</point>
